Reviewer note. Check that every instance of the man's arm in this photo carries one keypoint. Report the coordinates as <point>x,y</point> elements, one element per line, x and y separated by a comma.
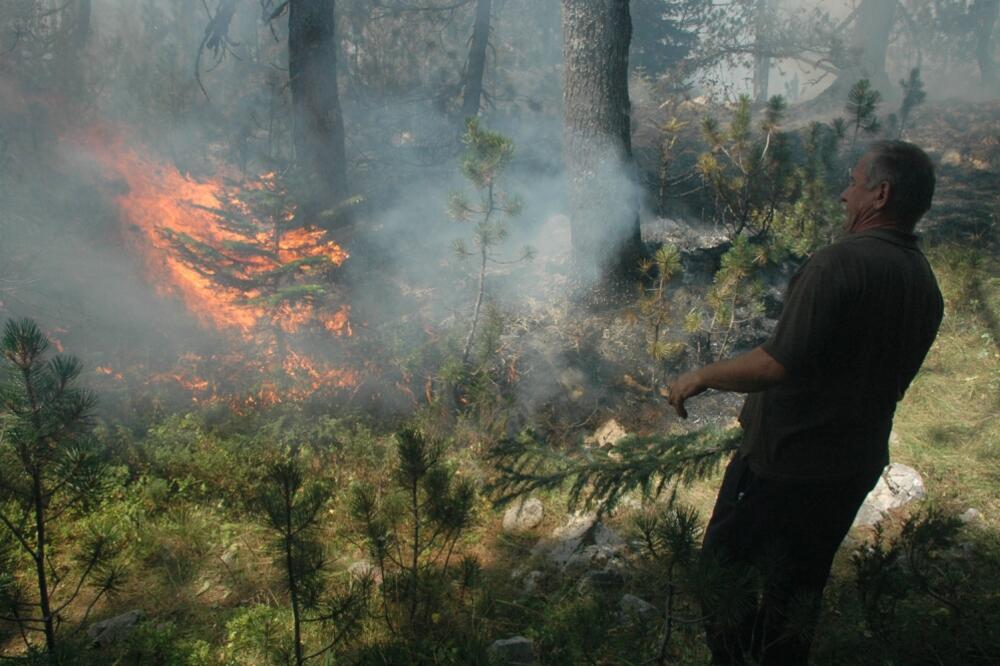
<point>753,371</point>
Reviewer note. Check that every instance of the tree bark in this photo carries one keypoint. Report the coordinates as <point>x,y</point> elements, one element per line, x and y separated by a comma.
<point>473,92</point>
<point>318,123</point>
<point>873,21</point>
<point>871,39</point>
<point>762,62</point>
<point>601,185</point>
<point>986,13</point>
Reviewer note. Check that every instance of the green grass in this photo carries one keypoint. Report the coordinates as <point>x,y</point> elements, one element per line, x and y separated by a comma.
<point>948,425</point>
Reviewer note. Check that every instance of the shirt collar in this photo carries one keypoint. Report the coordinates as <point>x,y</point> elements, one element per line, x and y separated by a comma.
<point>894,236</point>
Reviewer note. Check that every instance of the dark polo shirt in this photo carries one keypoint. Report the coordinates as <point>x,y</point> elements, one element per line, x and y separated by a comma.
<point>857,321</point>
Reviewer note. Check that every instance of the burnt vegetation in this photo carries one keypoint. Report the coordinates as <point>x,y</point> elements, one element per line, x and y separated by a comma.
<point>340,332</point>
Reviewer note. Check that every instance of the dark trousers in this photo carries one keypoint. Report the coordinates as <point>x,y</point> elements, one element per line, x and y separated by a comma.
<point>775,540</point>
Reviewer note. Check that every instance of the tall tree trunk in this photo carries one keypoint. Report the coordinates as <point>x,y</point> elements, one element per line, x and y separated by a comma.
<point>986,13</point>
<point>761,61</point>
<point>83,22</point>
<point>873,21</point>
<point>472,95</point>
<point>318,122</point>
<point>76,18</point>
<point>871,38</point>
<point>601,184</point>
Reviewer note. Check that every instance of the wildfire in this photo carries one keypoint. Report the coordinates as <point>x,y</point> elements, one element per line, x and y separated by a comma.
<point>237,260</point>
<point>162,205</point>
<point>339,322</point>
<point>109,372</point>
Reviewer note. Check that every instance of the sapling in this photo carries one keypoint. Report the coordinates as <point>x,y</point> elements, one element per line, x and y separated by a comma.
<point>487,155</point>
<point>746,171</point>
<point>294,508</point>
<point>862,102</point>
<point>411,531</point>
<point>51,469</point>
<point>653,304</point>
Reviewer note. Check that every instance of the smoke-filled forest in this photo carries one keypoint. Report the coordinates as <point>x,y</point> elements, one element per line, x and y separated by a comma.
<point>425,331</point>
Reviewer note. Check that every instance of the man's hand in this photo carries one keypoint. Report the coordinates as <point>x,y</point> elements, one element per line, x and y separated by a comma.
<point>686,386</point>
<point>754,371</point>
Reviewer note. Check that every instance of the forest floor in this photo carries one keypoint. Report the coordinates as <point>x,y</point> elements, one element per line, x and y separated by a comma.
<point>202,567</point>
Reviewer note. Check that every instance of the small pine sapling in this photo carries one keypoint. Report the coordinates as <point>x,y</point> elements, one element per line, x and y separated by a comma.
<point>808,223</point>
<point>929,589</point>
<point>747,173</point>
<point>913,96</point>
<point>293,508</point>
<point>653,305</point>
<point>671,134</point>
<point>734,299</point>
<point>51,469</point>
<point>411,532</point>
<point>670,535</point>
<point>862,103</point>
<point>487,155</point>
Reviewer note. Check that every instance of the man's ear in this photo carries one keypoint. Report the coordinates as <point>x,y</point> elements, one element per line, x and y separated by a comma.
<point>882,193</point>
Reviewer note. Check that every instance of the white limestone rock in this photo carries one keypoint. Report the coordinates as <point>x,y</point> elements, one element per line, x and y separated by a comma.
<point>115,628</point>
<point>577,534</point>
<point>513,651</point>
<point>532,581</point>
<point>523,515</point>
<point>632,608</point>
<point>971,516</point>
<point>898,486</point>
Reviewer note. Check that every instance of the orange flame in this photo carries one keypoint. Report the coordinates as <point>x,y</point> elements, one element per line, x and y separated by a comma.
<point>160,198</point>
<point>160,204</point>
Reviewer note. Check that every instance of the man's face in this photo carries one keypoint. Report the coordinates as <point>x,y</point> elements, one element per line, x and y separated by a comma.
<point>861,203</point>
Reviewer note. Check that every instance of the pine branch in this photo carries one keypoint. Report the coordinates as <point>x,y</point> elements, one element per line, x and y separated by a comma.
<point>601,477</point>
<point>292,267</point>
<point>291,294</point>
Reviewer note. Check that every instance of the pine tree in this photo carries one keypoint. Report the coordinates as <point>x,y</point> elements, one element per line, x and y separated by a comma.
<point>862,102</point>
<point>487,155</point>
<point>746,172</point>
<point>272,277</point>
<point>653,305</point>
<point>913,96</point>
<point>412,531</point>
<point>670,535</point>
<point>51,469</point>
<point>267,261</point>
<point>293,508</point>
<point>735,291</point>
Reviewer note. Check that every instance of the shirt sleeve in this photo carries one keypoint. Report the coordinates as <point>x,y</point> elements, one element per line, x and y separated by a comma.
<point>816,301</point>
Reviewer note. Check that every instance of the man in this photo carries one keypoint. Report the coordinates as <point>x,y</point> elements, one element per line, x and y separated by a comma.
<point>858,320</point>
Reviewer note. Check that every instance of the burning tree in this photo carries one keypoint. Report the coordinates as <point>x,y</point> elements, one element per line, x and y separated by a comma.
<point>265,261</point>
<point>275,273</point>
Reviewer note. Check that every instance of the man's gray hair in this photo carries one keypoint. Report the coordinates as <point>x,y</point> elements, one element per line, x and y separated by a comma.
<point>910,174</point>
